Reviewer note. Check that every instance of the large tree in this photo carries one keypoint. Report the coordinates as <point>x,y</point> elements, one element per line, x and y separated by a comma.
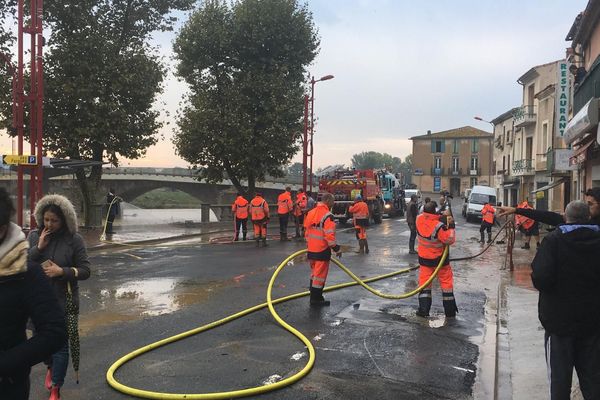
<point>373,160</point>
<point>7,61</point>
<point>102,79</point>
<point>245,64</point>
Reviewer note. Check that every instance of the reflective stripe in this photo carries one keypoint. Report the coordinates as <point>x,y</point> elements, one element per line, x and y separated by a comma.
<point>316,278</point>
<point>314,236</point>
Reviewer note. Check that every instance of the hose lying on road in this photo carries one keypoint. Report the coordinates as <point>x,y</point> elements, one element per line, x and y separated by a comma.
<point>270,302</point>
<point>508,225</point>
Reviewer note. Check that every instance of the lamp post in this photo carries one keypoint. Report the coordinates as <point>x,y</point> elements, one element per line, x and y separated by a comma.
<point>305,150</point>
<point>491,148</point>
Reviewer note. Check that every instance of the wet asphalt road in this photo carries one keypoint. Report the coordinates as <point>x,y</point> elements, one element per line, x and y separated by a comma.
<point>367,347</point>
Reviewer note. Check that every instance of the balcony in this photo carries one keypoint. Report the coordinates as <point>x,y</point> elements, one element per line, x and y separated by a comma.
<point>474,171</point>
<point>455,172</point>
<point>523,167</point>
<point>524,116</point>
<point>588,88</point>
<point>502,172</point>
<point>437,171</point>
<point>499,142</point>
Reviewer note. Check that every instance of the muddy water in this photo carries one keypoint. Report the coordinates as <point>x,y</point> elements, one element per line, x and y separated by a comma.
<point>133,216</point>
<point>151,297</point>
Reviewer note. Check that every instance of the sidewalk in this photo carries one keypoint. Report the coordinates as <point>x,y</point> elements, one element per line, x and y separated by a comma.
<point>521,361</point>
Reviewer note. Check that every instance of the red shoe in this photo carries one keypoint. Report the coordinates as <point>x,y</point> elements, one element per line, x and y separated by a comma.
<point>54,393</point>
<point>48,381</point>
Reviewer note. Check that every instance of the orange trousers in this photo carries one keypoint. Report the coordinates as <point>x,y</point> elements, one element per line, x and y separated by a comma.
<point>319,271</point>
<point>445,276</point>
<point>260,229</point>
<point>361,232</point>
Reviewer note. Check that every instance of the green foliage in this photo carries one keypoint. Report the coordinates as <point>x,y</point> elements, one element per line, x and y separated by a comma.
<point>372,160</point>
<point>166,198</point>
<point>295,169</point>
<point>7,40</point>
<point>245,66</point>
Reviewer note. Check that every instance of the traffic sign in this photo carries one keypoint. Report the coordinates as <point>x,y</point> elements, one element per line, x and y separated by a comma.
<point>14,159</point>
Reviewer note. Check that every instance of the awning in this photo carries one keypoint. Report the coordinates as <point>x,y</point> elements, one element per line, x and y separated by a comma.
<point>550,186</point>
<point>509,185</point>
<point>579,154</point>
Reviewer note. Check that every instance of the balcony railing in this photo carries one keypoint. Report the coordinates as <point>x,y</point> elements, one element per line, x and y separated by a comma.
<point>455,172</point>
<point>474,171</point>
<point>588,88</point>
<point>524,116</point>
<point>437,171</point>
<point>499,142</point>
<point>523,167</point>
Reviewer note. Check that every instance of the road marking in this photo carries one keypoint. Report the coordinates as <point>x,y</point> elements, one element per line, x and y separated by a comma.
<point>370,355</point>
<point>463,369</point>
<point>134,256</point>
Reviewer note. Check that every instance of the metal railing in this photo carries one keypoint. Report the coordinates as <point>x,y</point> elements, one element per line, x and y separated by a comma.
<point>523,166</point>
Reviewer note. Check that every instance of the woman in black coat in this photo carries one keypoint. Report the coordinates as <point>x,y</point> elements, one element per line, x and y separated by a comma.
<point>62,253</point>
<point>25,292</point>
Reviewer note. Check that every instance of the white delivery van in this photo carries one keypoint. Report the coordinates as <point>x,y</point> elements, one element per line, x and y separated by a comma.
<point>478,197</point>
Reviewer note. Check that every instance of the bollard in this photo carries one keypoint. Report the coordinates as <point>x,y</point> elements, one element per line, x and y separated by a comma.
<point>204,212</point>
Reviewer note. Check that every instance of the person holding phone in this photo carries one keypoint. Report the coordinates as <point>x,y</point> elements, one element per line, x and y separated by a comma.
<point>25,293</point>
<point>62,252</point>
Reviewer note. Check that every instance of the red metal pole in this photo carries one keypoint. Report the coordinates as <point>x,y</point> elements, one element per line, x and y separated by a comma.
<point>32,108</point>
<point>305,143</point>
<point>40,100</point>
<point>312,125</point>
<point>19,118</point>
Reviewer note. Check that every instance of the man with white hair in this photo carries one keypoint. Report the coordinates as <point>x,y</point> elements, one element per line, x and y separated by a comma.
<point>567,274</point>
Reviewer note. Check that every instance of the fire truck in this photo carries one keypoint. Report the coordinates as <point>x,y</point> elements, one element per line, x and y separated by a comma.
<point>345,184</point>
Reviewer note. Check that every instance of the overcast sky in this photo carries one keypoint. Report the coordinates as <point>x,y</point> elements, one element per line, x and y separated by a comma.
<point>402,67</point>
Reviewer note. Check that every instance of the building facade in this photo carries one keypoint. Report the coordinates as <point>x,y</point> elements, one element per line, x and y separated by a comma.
<point>507,185</point>
<point>452,160</point>
<point>581,132</point>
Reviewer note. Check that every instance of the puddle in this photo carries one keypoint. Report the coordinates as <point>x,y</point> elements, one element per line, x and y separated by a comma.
<point>151,297</point>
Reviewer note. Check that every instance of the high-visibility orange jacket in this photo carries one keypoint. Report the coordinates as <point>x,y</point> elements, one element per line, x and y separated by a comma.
<point>487,213</point>
<point>300,204</point>
<point>284,203</point>
<point>359,210</point>
<point>433,236</point>
<point>520,220</point>
<point>319,230</point>
<point>259,209</point>
<point>240,208</point>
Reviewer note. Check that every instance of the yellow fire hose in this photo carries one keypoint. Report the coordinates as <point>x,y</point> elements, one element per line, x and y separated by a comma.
<point>270,302</point>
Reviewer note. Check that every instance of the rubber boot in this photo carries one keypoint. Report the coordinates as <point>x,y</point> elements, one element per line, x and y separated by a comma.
<point>450,308</point>
<point>361,246</point>
<point>525,246</point>
<point>48,380</point>
<point>317,299</point>
<point>264,241</point>
<point>424,303</point>
<point>258,241</point>
<point>54,393</point>
<point>284,237</point>
<point>244,237</point>
<point>281,239</point>
<point>236,237</point>
<point>489,238</point>
<point>482,240</point>
<point>366,246</point>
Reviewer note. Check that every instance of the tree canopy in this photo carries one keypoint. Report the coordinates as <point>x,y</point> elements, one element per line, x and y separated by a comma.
<point>245,64</point>
<point>375,160</point>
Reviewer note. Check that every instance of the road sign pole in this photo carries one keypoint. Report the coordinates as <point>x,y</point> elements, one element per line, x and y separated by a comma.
<point>19,110</point>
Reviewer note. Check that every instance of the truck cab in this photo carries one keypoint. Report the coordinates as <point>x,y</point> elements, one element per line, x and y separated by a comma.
<point>392,194</point>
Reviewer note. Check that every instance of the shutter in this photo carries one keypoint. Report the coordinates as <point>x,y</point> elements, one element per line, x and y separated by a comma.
<point>433,146</point>
<point>443,146</point>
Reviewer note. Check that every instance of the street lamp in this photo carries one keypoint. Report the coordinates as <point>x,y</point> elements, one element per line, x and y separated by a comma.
<point>490,146</point>
<point>305,152</point>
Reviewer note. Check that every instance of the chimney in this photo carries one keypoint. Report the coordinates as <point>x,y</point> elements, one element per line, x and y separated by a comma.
<point>429,132</point>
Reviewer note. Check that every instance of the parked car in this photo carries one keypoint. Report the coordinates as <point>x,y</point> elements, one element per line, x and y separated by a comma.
<point>410,192</point>
<point>478,197</point>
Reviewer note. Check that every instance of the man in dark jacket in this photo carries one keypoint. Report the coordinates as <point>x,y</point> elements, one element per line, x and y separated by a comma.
<point>25,292</point>
<point>592,198</point>
<point>566,272</point>
<point>411,219</point>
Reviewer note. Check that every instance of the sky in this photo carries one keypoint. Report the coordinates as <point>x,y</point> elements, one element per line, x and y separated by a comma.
<point>403,67</point>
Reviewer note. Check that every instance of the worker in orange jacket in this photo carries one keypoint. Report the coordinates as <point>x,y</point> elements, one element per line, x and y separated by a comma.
<point>320,237</point>
<point>360,217</point>
<point>527,226</point>
<point>285,206</point>
<point>434,233</point>
<point>300,211</point>
<point>239,209</point>
<point>259,213</point>
<point>487,221</point>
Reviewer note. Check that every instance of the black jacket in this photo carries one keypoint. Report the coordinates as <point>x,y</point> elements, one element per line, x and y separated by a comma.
<point>566,271</point>
<point>548,217</point>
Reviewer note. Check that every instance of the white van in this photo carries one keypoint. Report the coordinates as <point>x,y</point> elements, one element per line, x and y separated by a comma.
<point>478,197</point>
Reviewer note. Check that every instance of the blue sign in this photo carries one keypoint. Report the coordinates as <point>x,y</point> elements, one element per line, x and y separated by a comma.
<point>437,183</point>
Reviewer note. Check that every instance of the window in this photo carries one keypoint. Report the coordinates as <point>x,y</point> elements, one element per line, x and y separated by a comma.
<point>508,136</point>
<point>475,146</point>
<point>544,138</point>
<point>455,146</point>
<point>437,146</point>
<point>474,162</point>
<point>455,164</point>
<point>437,162</point>
<point>473,182</point>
